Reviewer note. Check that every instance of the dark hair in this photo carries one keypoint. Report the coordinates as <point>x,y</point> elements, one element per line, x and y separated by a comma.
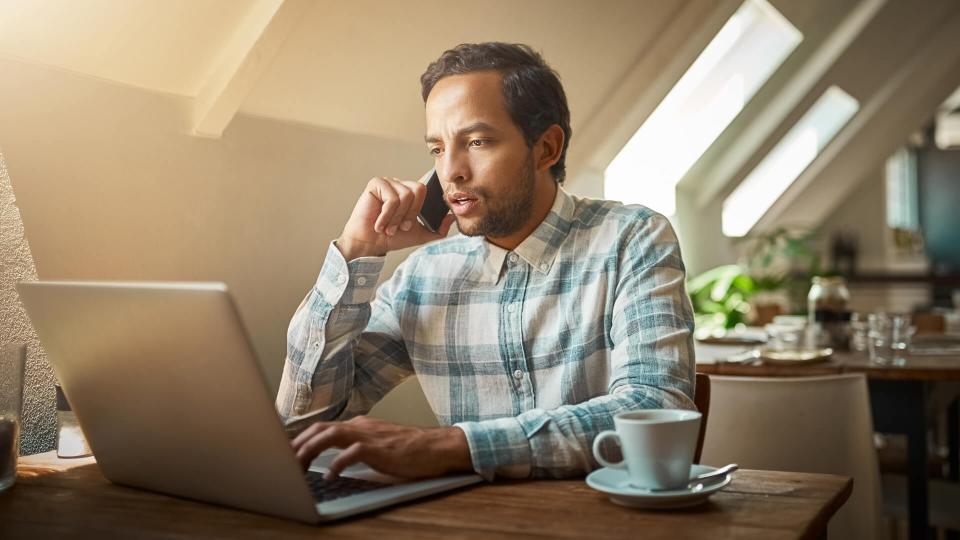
<point>531,89</point>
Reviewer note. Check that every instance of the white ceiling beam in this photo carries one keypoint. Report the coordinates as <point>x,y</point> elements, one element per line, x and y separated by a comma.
<point>244,59</point>
<point>902,105</point>
<point>952,103</point>
<point>753,137</point>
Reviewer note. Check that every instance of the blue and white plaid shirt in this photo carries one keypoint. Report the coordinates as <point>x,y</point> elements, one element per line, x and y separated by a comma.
<point>530,352</point>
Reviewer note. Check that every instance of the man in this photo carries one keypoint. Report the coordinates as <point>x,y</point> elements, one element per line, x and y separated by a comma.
<point>528,332</point>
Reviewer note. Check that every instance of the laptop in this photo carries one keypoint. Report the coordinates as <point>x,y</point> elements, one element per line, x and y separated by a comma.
<point>168,391</point>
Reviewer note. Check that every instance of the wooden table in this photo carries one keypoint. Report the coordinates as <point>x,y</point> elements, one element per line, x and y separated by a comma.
<point>53,499</point>
<point>899,399</point>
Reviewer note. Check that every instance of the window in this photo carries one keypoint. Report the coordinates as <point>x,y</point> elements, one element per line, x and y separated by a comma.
<point>788,159</point>
<point>740,58</point>
<point>901,173</point>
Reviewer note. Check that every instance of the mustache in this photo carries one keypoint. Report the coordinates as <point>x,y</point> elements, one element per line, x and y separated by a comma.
<point>477,193</point>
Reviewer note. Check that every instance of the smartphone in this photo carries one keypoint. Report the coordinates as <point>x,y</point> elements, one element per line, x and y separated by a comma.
<point>434,207</point>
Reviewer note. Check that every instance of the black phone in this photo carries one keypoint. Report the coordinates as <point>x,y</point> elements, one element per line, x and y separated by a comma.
<point>434,207</point>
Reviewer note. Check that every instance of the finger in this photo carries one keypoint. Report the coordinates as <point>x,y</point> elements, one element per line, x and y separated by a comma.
<point>406,197</point>
<point>419,194</point>
<point>445,225</point>
<point>389,199</point>
<point>336,436</point>
<point>353,454</point>
<point>309,432</point>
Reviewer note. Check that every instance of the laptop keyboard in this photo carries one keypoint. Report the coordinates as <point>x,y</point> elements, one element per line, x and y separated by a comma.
<point>328,490</point>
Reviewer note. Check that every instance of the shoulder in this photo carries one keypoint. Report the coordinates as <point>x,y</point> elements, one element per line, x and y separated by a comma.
<point>624,224</point>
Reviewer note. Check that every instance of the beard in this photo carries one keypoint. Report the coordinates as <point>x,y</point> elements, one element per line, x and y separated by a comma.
<point>506,212</point>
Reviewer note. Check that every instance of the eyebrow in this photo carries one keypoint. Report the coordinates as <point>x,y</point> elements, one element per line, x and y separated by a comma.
<point>476,126</point>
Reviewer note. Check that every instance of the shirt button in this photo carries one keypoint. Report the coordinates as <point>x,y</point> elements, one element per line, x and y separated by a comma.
<point>518,374</point>
<point>513,257</point>
<point>341,279</point>
<point>511,308</point>
<point>361,281</point>
<point>316,344</point>
<point>544,267</point>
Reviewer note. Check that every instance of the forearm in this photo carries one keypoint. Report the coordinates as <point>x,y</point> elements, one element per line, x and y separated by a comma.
<point>322,350</point>
<point>556,443</point>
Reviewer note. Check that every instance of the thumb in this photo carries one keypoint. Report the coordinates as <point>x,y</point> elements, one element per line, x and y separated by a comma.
<point>446,224</point>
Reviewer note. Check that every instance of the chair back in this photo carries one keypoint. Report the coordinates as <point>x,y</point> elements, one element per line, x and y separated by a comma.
<point>929,323</point>
<point>803,424</point>
<point>701,398</point>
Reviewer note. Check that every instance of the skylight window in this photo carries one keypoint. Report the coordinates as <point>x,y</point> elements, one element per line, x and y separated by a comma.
<point>788,159</point>
<point>740,58</point>
<point>901,173</point>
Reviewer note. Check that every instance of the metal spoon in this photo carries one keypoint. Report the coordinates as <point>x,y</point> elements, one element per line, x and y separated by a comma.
<point>702,481</point>
<point>722,471</point>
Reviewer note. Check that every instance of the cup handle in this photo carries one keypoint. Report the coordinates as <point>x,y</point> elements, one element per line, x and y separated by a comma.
<point>596,449</point>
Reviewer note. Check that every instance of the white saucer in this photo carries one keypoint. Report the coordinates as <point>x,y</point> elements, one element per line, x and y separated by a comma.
<point>616,484</point>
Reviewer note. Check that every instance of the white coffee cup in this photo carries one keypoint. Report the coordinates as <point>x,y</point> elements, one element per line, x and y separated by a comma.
<point>657,446</point>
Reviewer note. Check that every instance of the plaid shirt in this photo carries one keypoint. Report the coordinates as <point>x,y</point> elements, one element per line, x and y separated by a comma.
<point>530,352</point>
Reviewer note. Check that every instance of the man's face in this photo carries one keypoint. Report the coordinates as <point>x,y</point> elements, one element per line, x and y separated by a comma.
<point>481,157</point>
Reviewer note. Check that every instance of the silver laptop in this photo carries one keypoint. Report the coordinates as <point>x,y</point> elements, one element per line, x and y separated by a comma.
<point>167,389</point>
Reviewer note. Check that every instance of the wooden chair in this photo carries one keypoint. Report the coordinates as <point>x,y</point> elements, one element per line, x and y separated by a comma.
<point>701,398</point>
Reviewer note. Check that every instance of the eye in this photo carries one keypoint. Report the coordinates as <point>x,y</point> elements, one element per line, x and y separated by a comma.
<point>434,151</point>
<point>477,142</point>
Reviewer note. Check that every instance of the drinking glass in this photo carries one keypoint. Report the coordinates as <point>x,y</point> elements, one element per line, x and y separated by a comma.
<point>889,337</point>
<point>879,338</point>
<point>901,332</point>
<point>12,359</point>
<point>859,332</point>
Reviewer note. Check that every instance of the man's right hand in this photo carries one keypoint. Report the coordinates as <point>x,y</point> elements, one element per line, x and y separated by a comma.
<point>385,219</point>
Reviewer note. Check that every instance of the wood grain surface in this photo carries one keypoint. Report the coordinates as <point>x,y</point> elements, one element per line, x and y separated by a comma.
<point>56,501</point>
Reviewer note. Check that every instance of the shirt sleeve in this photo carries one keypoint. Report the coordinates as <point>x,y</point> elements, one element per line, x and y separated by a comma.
<point>345,350</point>
<point>651,366</point>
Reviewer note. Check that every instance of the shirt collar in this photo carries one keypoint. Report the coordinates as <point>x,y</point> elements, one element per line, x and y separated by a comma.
<point>539,249</point>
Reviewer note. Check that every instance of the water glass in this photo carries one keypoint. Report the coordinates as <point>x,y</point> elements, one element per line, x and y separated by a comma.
<point>12,360</point>
<point>879,338</point>
<point>889,337</point>
<point>859,332</point>
<point>901,332</point>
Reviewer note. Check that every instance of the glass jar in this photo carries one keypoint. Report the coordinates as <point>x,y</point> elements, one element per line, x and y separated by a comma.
<point>70,440</point>
<point>827,311</point>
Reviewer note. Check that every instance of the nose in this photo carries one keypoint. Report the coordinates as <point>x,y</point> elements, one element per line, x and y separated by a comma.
<point>454,167</point>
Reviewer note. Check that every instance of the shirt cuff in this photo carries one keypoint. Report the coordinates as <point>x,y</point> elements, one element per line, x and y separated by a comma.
<point>350,283</point>
<point>498,448</point>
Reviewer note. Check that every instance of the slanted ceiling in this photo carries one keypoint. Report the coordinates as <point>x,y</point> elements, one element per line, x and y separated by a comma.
<point>350,66</point>
<point>354,67</point>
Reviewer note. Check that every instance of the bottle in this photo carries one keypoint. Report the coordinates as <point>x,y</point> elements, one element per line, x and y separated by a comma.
<point>70,440</point>
<point>827,311</point>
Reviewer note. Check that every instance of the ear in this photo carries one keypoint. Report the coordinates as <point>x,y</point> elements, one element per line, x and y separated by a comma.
<point>549,147</point>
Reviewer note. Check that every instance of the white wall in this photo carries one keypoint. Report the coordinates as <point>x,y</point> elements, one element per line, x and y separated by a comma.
<point>864,212</point>
<point>110,186</point>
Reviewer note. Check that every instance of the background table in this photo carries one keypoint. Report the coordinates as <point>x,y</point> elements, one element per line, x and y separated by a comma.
<point>900,398</point>
<point>52,499</point>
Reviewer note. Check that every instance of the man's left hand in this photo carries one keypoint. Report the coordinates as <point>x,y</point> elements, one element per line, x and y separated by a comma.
<point>403,451</point>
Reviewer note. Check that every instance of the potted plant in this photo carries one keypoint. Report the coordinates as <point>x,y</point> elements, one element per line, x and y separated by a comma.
<point>772,277</point>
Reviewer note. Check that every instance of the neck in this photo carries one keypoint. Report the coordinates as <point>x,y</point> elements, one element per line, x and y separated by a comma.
<point>544,195</point>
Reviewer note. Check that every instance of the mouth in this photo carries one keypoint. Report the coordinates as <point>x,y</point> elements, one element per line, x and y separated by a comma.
<point>461,203</point>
